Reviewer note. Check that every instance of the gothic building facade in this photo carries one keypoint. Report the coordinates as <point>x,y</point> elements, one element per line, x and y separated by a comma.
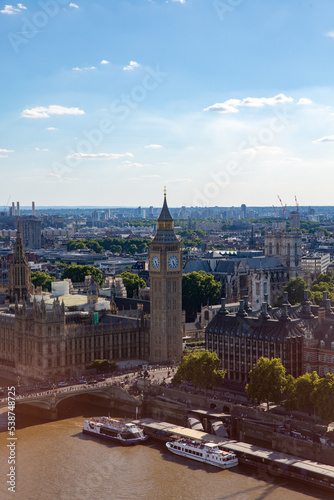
<point>43,344</point>
<point>166,291</point>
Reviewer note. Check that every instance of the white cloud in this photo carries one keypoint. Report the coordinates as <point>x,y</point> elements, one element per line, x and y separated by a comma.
<point>10,9</point>
<point>43,112</point>
<point>294,159</point>
<point>73,5</point>
<point>3,156</point>
<point>271,150</point>
<point>87,68</point>
<point>104,61</point>
<point>180,1</point>
<point>153,176</point>
<point>305,100</point>
<point>100,156</point>
<point>233,105</point>
<point>153,146</point>
<point>51,128</point>
<point>6,150</point>
<point>179,181</point>
<point>39,149</point>
<point>128,163</point>
<point>131,66</point>
<point>327,138</point>
<point>330,34</point>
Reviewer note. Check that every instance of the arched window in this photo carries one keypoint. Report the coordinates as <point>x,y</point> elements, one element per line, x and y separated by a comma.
<point>270,248</point>
<point>308,357</point>
<point>308,369</point>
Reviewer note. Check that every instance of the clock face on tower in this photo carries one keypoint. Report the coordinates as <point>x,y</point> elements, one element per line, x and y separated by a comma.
<point>155,262</point>
<point>173,262</point>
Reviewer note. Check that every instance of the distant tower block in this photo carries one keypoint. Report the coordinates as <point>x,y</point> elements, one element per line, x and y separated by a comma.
<point>33,213</point>
<point>13,209</point>
<point>18,209</point>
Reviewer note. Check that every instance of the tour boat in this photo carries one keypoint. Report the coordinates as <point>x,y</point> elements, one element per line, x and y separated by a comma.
<point>114,430</point>
<point>208,453</point>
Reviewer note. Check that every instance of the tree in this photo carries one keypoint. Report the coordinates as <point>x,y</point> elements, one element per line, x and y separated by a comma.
<point>103,365</point>
<point>42,279</point>
<point>267,381</point>
<point>323,283</point>
<point>295,289</point>
<point>201,369</point>
<point>77,273</point>
<point>198,288</point>
<point>301,394</point>
<point>132,283</point>
<point>324,398</point>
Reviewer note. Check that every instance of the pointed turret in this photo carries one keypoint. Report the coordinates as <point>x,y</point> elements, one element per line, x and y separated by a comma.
<point>20,277</point>
<point>165,230</point>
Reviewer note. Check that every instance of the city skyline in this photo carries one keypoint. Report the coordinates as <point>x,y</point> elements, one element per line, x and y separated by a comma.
<point>106,104</point>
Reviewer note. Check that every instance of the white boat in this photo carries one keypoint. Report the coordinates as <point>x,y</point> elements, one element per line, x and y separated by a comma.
<point>208,453</point>
<point>114,430</point>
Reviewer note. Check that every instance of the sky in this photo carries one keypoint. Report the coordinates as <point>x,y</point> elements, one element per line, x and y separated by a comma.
<point>224,102</point>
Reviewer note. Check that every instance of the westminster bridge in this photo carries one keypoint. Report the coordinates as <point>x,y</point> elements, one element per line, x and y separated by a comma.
<point>46,404</point>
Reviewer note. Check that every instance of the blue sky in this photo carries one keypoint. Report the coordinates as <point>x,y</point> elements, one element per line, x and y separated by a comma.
<point>223,101</point>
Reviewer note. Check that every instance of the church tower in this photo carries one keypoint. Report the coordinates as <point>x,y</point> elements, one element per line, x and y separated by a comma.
<point>20,278</point>
<point>166,292</point>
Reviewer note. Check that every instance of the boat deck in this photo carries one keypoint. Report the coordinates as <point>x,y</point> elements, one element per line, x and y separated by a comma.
<point>291,466</point>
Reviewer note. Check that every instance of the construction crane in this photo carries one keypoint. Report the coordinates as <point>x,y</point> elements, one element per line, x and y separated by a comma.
<point>297,204</point>
<point>283,210</point>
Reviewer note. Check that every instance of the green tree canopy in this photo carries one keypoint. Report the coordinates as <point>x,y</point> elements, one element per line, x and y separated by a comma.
<point>132,283</point>
<point>267,381</point>
<point>324,398</point>
<point>323,283</point>
<point>44,280</point>
<point>295,289</point>
<point>201,369</point>
<point>198,288</point>
<point>77,273</point>
<point>103,365</point>
<point>301,394</point>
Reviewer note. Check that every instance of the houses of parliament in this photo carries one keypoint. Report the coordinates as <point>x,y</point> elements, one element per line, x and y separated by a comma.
<point>46,341</point>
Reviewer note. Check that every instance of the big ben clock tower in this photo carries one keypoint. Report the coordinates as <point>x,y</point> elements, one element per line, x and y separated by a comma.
<point>166,291</point>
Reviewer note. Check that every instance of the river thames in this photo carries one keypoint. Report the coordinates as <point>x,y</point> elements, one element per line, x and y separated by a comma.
<point>54,460</point>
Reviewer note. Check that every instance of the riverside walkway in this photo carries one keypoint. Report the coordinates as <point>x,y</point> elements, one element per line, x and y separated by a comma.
<point>274,462</point>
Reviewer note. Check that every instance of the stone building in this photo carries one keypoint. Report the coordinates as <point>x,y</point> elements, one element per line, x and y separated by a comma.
<point>302,336</point>
<point>240,340</point>
<point>166,291</point>
<point>54,344</point>
<point>20,286</point>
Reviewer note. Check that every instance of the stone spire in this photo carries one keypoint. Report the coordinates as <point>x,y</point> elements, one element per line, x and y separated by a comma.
<point>20,277</point>
<point>165,230</point>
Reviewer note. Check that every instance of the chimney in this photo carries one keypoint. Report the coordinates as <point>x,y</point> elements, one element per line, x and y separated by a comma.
<point>241,311</point>
<point>13,209</point>
<point>223,310</point>
<point>264,311</point>
<point>18,208</point>
<point>33,209</point>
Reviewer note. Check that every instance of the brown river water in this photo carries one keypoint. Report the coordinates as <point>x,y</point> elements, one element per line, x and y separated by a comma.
<point>54,460</point>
